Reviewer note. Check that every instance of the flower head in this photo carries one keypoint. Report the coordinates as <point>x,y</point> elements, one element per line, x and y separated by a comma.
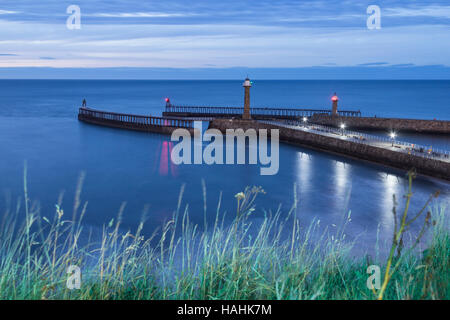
<point>240,196</point>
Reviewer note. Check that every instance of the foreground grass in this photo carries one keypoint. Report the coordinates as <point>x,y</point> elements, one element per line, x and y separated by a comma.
<point>280,261</point>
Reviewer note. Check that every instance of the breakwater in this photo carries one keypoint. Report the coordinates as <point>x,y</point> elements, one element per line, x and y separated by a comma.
<point>376,153</point>
<point>133,122</point>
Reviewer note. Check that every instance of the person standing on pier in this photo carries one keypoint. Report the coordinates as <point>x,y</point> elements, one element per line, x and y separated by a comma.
<point>84,103</point>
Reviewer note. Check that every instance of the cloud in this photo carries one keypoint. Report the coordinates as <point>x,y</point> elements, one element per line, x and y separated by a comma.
<point>403,65</point>
<point>141,15</point>
<point>142,45</point>
<point>8,12</point>
<point>371,64</point>
<point>8,55</point>
<point>136,33</point>
<point>432,11</point>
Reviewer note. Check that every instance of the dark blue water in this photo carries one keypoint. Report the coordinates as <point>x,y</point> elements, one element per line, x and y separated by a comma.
<point>38,123</point>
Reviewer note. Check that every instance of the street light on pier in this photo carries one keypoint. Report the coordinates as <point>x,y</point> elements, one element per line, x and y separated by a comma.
<point>342,128</point>
<point>393,135</point>
<point>305,120</point>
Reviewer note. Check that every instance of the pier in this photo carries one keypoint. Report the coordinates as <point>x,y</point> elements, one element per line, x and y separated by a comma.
<point>326,130</point>
<point>133,122</point>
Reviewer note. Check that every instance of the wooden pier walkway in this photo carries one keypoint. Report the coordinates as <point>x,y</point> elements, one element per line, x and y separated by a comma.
<point>134,122</point>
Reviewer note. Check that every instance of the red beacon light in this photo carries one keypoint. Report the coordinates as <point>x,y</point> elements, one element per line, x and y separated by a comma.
<point>167,100</point>
<point>335,98</point>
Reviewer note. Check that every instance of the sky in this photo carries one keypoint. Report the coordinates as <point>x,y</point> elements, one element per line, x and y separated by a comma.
<point>224,39</point>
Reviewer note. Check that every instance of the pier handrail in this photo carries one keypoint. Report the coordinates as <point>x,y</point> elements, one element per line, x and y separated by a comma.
<point>292,112</point>
<point>134,119</point>
<point>364,138</point>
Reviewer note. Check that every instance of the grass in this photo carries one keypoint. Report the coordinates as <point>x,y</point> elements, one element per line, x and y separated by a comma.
<point>277,259</point>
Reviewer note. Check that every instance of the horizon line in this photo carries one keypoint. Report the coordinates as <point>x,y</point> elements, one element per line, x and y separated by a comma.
<point>210,79</point>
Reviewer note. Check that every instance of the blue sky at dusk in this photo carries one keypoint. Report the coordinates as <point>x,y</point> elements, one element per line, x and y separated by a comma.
<point>209,38</point>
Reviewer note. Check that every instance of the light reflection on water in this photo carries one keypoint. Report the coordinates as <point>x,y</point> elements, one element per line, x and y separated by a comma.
<point>391,187</point>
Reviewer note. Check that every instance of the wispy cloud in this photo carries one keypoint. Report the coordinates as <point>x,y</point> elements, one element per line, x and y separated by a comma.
<point>141,15</point>
<point>8,12</point>
<point>373,64</point>
<point>432,11</point>
<point>403,65</point>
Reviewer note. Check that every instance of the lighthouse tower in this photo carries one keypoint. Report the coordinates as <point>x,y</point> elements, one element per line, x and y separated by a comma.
<point>335,100</point>
<point>247,85</point>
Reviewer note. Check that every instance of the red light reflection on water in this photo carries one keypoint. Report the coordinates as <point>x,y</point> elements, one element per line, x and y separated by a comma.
<point>166,167</point>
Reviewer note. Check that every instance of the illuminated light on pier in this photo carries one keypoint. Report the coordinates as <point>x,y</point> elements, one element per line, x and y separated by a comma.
<point>305,120</point>
<point>334,107</point>
<point>393,135</point>
<point>342,126</point>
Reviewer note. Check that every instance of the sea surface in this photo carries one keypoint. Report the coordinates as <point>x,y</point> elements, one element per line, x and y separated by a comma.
<point>39,126</point>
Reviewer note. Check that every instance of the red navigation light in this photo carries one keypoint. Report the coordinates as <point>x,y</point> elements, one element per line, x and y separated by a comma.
<point>167,99</point>
<point>335,98</point>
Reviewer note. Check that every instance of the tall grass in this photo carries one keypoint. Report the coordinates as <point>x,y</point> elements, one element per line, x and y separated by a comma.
<point>275,259</point>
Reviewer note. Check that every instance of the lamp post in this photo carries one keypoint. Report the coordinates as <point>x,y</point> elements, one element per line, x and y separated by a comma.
<point>342,128</point>
<point>305,120</point>
<point>393,135</point>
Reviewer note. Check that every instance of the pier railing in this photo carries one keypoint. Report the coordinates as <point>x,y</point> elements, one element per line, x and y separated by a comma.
<point>134,120</point>
<point>274,112</point>
<point>364,138</point>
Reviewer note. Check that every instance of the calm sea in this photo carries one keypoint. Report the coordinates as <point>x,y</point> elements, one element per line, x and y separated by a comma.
<point>38,123</point>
